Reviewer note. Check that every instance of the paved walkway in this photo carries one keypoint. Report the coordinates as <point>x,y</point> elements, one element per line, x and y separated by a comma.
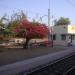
<point>8,56</point>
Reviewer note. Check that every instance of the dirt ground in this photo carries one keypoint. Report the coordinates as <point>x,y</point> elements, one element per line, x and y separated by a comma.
<point>11,55</point>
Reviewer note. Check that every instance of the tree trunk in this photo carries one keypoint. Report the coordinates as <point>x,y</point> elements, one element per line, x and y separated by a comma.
<point>26,43</point>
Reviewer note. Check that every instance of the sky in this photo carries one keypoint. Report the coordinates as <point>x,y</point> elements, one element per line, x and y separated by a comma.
<point>35,9</point>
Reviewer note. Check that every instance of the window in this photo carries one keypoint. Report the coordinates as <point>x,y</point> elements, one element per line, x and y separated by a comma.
<point>63,37</point>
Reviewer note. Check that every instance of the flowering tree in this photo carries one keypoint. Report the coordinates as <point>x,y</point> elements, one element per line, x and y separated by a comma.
<point>31,30</point>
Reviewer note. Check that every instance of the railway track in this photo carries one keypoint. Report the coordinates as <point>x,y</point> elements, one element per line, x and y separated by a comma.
<point>59,63</point>
<point>65,66</point>
<point>71,71</point>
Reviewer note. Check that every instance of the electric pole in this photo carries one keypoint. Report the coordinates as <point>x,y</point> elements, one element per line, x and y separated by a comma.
<point>49,21</point>
<point>50,36</point>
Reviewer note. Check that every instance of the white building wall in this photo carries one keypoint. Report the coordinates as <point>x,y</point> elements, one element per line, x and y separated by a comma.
<point>58,36</point>
<point>63,29</point>
<point>58,40</point>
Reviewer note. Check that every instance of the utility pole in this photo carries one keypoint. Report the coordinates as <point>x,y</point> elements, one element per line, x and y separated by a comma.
<point>50,36</point>
<point>49,21</point>
<point>48,17</point>
<point>49,14</point>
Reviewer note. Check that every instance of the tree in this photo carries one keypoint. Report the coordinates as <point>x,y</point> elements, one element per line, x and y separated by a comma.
<point>62,21</point>
<point>2,19</point>
<point>31,30</point>
<point>7,32</point>
<point>15,19</point>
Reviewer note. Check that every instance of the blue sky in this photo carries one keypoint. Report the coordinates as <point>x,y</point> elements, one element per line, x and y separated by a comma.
<point>37,8</point>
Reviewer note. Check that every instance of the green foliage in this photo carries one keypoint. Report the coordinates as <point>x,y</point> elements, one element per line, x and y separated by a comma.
<point>15,19</point>
<point>13,24</point>
<point>62,21</point>
<point>21,33</point>
<point>7,31</point>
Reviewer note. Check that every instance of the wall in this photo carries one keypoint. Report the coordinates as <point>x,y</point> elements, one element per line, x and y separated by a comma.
<point>71,29</point>
<point>58,30</point>
<point>62,29</point>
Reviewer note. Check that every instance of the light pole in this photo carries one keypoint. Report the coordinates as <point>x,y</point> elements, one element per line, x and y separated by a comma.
<point>52,33</point>
<point>50,36</point>
<point>49,14</point>
<point>49,21</point>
